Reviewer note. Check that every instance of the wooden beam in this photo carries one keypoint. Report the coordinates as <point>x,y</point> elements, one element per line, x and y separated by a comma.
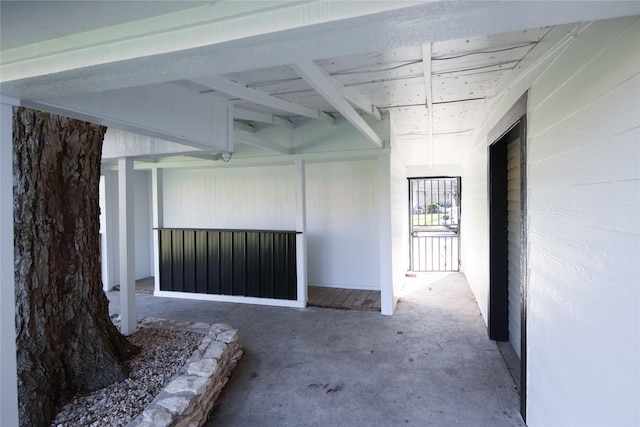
<point>203,155</point>
<point>428,95</point>
<point>254,116</point>
<point>243,126</point>
<point>426,65</point>
<point>358,101</point>
<point>249,139</point>
<point>159,111</point>
<point>241,91</point>
<point>317,78</point>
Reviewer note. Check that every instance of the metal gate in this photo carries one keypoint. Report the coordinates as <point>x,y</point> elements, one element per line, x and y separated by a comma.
<point>434,206</point>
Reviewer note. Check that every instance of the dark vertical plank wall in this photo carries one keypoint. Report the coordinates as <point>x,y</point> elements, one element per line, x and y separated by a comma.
<point>259,264</point>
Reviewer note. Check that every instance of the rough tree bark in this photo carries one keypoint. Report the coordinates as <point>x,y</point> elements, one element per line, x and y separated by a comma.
<point>65,339</point>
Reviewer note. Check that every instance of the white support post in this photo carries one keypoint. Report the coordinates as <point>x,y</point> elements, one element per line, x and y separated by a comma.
<point>8,364</point>
<point>127,246</point>
<point>109,202</point>
<point>158,222</point>
<point>301,227</point>
<point>104,253</point>
<point>386,264</point>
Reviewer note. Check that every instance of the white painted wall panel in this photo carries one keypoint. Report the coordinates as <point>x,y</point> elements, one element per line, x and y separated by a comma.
<point>142,225</point>
<point>342,224</point>
<point>474,228</point>
<point>583,225</point>
<point>257,198</point>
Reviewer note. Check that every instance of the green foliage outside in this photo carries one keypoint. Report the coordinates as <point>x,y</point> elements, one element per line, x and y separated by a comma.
<point>427,219</point>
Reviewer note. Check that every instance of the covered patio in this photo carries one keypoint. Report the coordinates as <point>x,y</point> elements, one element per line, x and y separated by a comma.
<point>429,364</point>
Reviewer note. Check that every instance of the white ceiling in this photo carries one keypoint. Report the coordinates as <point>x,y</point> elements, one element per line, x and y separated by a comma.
<point>47,20</point>
<point>94,45</point>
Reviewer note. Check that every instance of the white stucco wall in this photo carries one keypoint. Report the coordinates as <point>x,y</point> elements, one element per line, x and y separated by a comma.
<point>583,189</point>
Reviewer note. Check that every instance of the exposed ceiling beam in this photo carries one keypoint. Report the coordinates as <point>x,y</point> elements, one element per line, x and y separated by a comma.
<point>243,126</point>
<point>249,139</point>
<point>241,91</point>
<point>428,95</point>
<point>203,156</point>
<point>426,65</point>
<point>317,78</point>
<point>254,116</point>
<point>359,101</point>
<point>205,124</point>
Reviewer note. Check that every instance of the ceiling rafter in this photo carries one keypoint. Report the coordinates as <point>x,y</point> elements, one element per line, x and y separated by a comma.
<point>202,155</point>
<point>250,139</point>
<point>255,116</point>
<point>357,100</point>
<point>426,65</point>
<point>243,126</point>
<point>360,102</point>
<point>428,94</point>
<point>241,91</point>
<point>318,78</point>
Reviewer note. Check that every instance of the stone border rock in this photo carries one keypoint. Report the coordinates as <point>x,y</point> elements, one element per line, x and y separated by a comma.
<point>191,394</point>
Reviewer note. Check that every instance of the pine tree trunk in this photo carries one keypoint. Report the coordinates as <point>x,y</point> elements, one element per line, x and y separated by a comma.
<point>65,339</point>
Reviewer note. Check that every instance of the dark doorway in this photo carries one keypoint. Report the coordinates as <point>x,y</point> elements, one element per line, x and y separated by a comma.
<point>507,241</point>
<point>434,224</point>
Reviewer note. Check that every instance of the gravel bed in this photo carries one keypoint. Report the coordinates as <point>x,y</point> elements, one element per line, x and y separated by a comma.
<point>163,353</point>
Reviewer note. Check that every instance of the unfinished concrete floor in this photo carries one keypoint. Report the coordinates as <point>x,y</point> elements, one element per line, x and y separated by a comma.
<point>431,364</point>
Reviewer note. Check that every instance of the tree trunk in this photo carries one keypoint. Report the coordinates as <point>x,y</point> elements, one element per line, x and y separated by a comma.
<point>65,339</point>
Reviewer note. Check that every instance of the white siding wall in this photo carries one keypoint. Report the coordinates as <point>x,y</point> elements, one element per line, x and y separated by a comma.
<point>143,224</point>
<point>258,198</point>
<point>144,261</point>
<point>583,226</point>
<point>474,224</point>
<point>342,224</point>
<point>342,239</point>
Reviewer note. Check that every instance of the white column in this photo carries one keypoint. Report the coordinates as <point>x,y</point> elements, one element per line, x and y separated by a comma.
<point>8,366</point>
<point>127,246</point>
<point>386,270</point>
<point>105,255</point>
<point>111,189</point>
<point>301,226</point>
<point>158,221</point>
<point>104,252</point>
<point>110,270</point>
